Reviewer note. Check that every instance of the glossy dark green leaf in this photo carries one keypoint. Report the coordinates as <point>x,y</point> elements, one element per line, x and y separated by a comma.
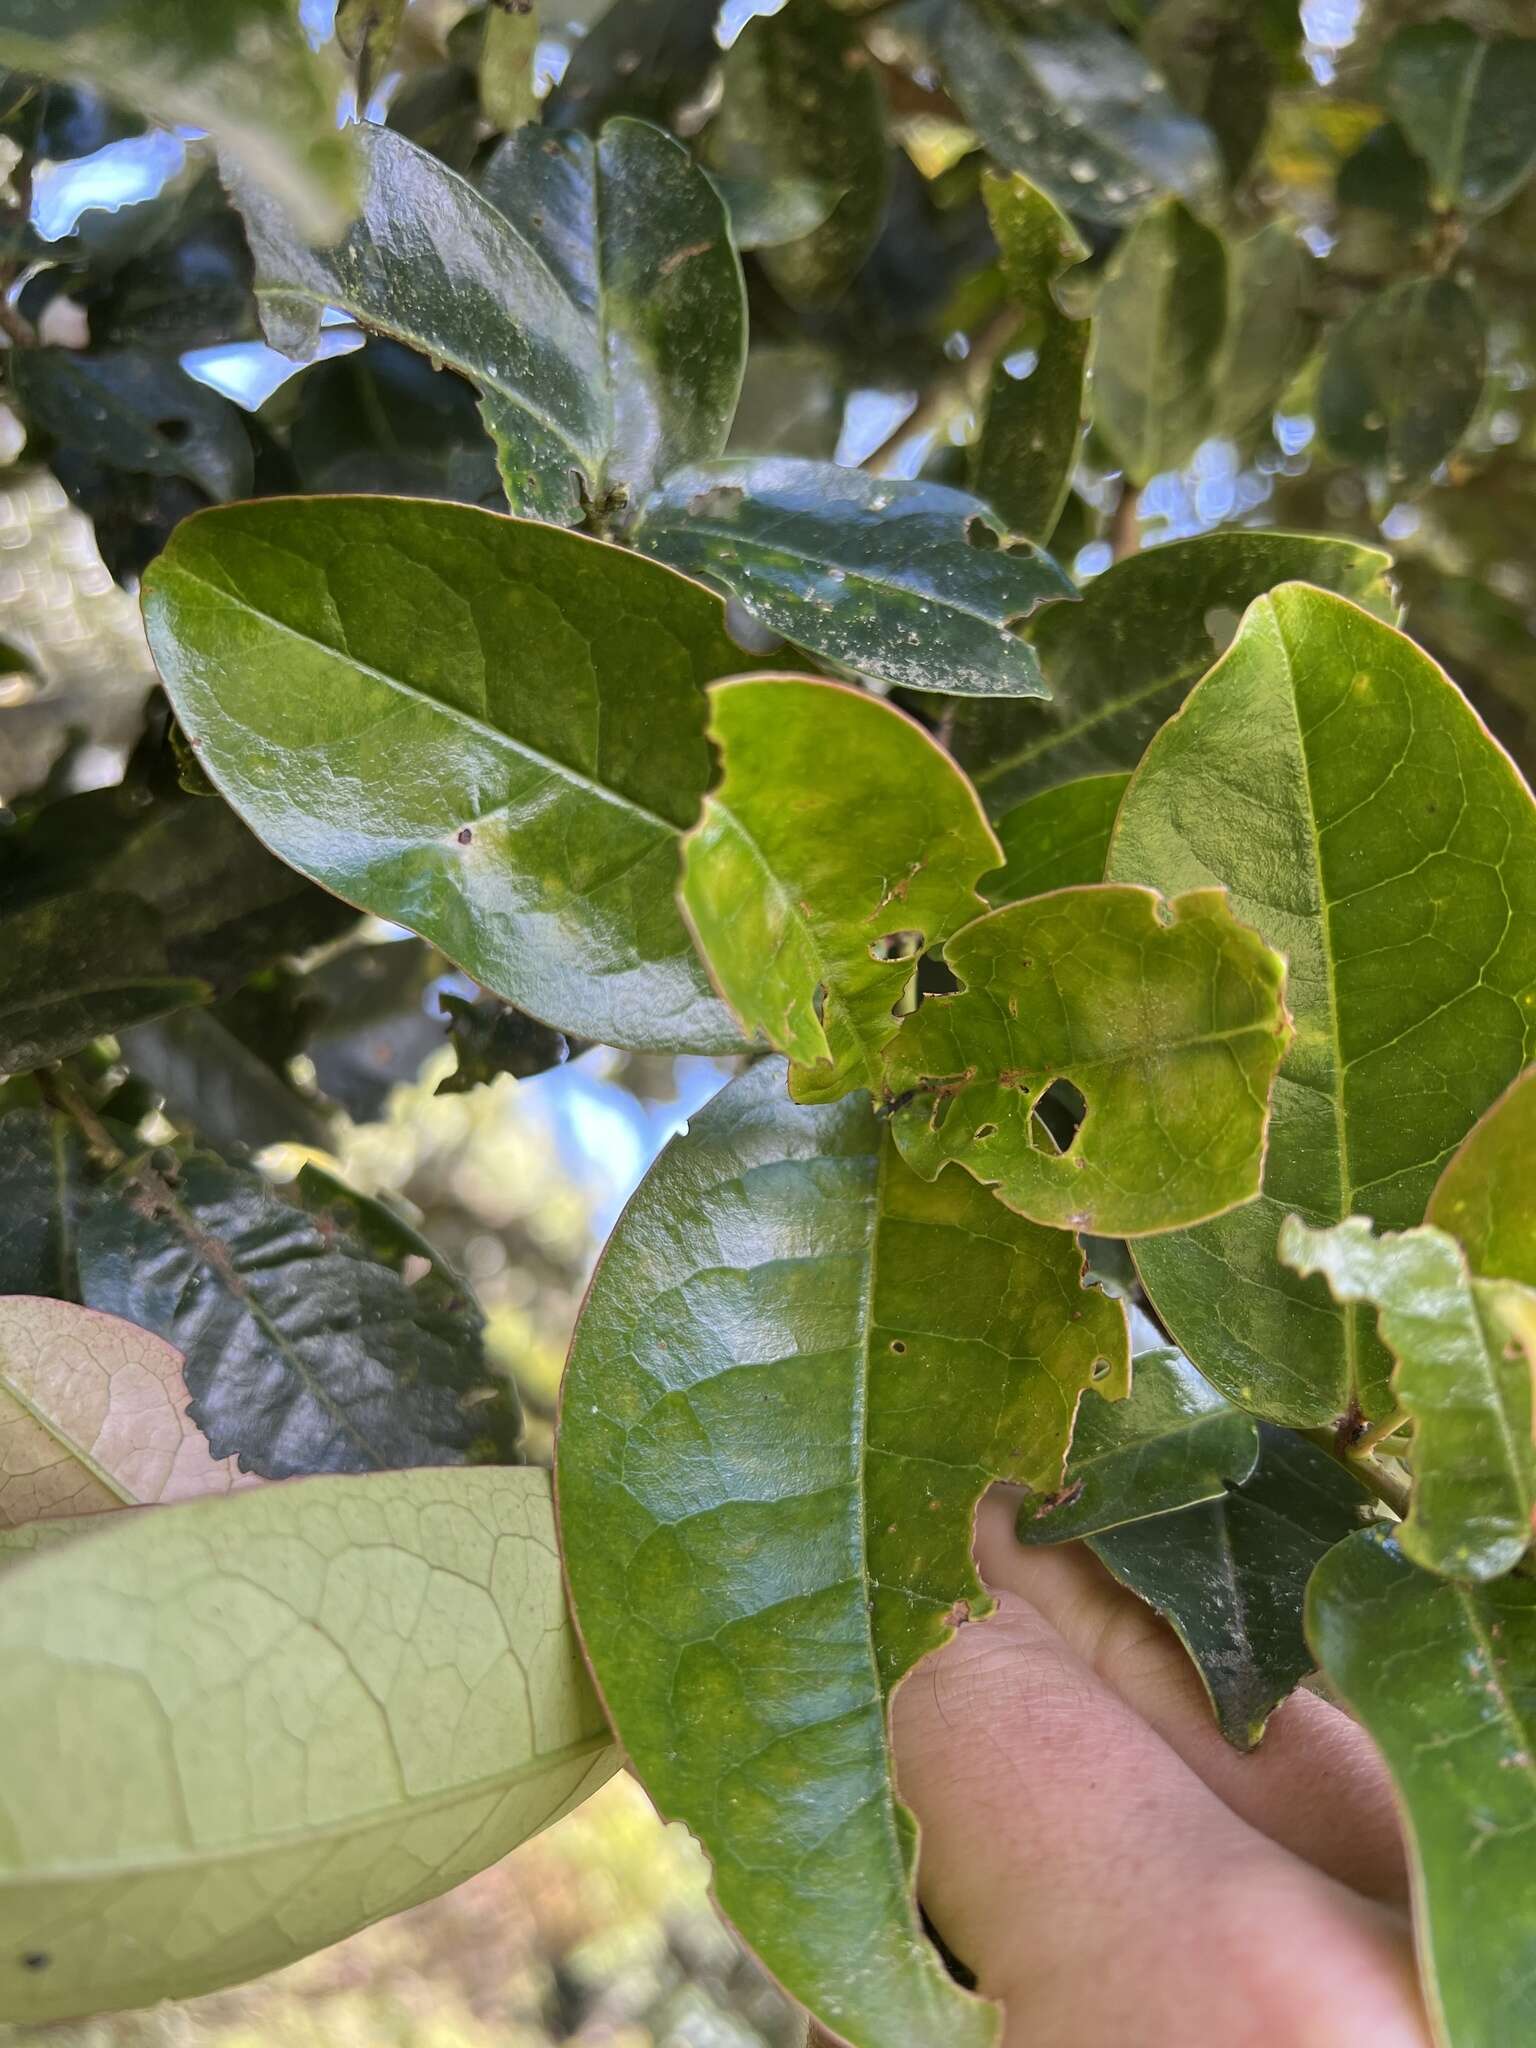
<point>802,100</point>
<point>1466,1353</point>
<point>1058,839</point>
<point>243,70</point>
<point>432,263</point>
<point>1123,660</point>
<point>1231,1575</point>
<point>884,578</point>
<point>489,731</point>
<point>1341,789</point>
<point>652,58</point>
<point>782,1280</point>
<point>1166,1018</point>
<point>1174,1443</point>
<point>136,411</point>
<point>490,1037</point>
<point>1486,1196</point>
<point>1468,106</point>
<point>1023,459</point>
<point>1401,378</point>
<point>382,419</point>
<point>205,1076</point>
<point>1269,328</point>
<point>241,1729</point>
<point>1444,1678</point>
<point>638,237</point>
<point>45,1187</point>
<point>1158,330</point>
<point>1073,106</point>
<point>813,930</point>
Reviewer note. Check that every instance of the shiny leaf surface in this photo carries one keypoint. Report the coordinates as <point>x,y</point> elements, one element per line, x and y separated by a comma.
<point>1401,378</point>
<point>1465,1352</point>
<point>492,732</point>
<point>1336,783</point>
<point>1058,839</point>
<point>813,931</point>
<point>1468,106</point>
<point>781,1280</point>
<point>1168,1020</point>
<point>883,578</point>
<point>239,1729</point>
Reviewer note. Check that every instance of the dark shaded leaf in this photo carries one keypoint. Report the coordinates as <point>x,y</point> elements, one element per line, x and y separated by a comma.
<point>1269,329</point>
<point>1058,839</point>
<point>382,419</point>
<point>366,31</point>
<point>652,58</point>
<point>490,1037</point>
<point>206,1076</point>
<point>132,410</point>
<point>1401,378</point>
<point>766,212</point>
<point>45,1187</point>
<point>1468,106</point>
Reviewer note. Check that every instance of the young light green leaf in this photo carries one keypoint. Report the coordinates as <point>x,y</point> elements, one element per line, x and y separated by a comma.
<point>93,1416</point>
<point>1073,106</point>
<point>238,1730</point>
<point>433,264</point>
<point>1335,781</point>
<point>1167,1019</point>
<point>1058,839</point>
<point>802,100</point>
<point>1466,1353</point>
<point>1174,1443</point>
<point>490,731</point>
<point>1231,1575</point>
<point>1401,378</point>
<point>1123,660</point>
<point>134,410</point>
<point>1486,1197</point>
<point>782,1278</point>
<point>243,70</point>
<point>902,581</point>
<point>1158,331</point>
<point>1443,1676</point>
<point>812,926</point>
<point>1023,458</point>
<point>639,238</point>
<point>1468,106</point>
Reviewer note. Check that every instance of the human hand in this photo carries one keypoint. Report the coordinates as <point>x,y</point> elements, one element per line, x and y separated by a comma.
<point>1110,1868</point>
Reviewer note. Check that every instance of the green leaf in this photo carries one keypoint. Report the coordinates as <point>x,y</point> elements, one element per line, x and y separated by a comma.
<point>1174,1443</point>
<point>367,31</point>
<point>1073,106</point>
<point>1034,409</point>
<point>764,213</point>
<point>243,70</point>
<point>381,419</point>
<point>1058,839</point>
<point>45,1186</point>
<point>1160,322</point>
<point>509,41</point>
<point>1401,378</point>
<point>902,581</point>
<point>490,1037</point>
<point>1444,1678</point>
<point>1123,660</point>
<point>1486,1196</point>
<point>433,264</point>
<point>93,1413</point>
<point>1468,106</point>
<point>638,238</point>
<point>242,1729</point>
<point>1219,58</point>
<point>205,1075</point>
<point>652,58</point>
<point>1465,1351</point>
<point>803,100</point>
<point>489,731</point>
<point>136,411</point>
<point>1166,1018</point>
<point>812,930</point>
<point>1337,784</point>
<point>1269,329</point>
<point>781,1279</point>
<point>1230,1576</point>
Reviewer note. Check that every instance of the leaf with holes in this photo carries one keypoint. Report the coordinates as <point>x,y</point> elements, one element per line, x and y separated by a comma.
<point>1022,464</point>
<point>93,1416</point>
<point>1123,660</point>
<point>1337,784</point>
<point>1465,1352</point>
<point>812,931</point>
<point>1401,378</point>
<point>1486,1197</point>
<point>906,582</point>
<point>1058,839</point>
<point>1174,1443</point>
<point>489,731</point>
<point>1468,106</point>
<point>137,411</point>
<point>240,1729</point>
<point>1230,1575</point>
<point>782,1280</point>
<point>639,238</point>
<point>1166,1020</point>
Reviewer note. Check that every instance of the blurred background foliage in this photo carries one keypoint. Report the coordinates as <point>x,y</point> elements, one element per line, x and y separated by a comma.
<point>883,332</point>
